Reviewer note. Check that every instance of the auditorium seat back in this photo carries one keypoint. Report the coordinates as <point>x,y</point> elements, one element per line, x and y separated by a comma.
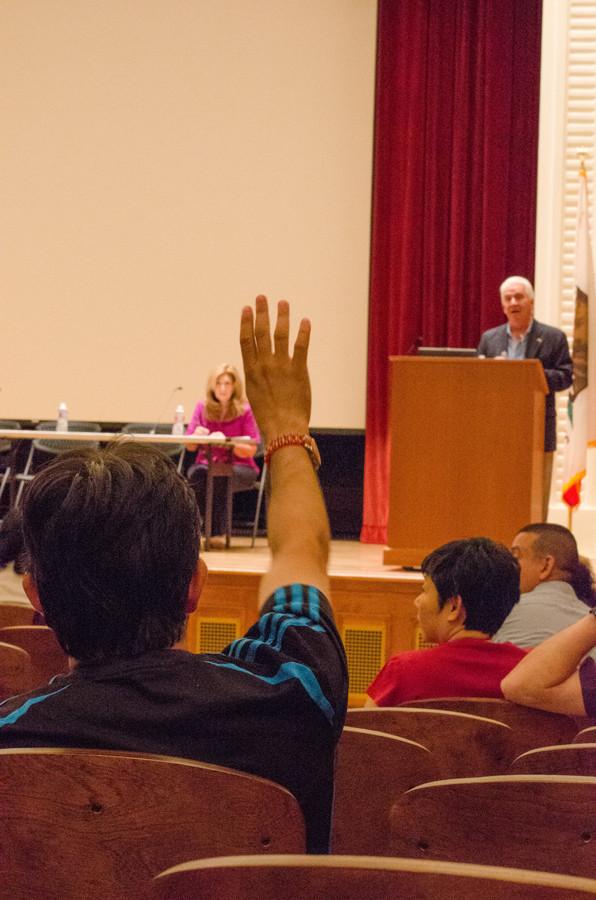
<point>372,770</point>
<point>461,744</point>
<point>562,759</point>
<point>15,671</point>
<point>101,824</point>
<point>359,878</point>
<point>541,822</point>
<point>532,727</point>
<point>47,656</point>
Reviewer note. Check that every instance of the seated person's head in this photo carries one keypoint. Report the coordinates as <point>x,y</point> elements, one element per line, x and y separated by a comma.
<point>548,552</point>
<point>225,390</point>
<point>469,585</point>
<point>112,537</point>
<point>12,545</point>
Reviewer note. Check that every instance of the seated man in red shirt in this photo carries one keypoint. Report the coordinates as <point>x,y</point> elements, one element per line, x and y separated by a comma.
<point>469,589</point>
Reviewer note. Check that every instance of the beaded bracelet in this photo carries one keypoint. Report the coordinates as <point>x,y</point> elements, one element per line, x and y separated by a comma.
<point>294,440</point>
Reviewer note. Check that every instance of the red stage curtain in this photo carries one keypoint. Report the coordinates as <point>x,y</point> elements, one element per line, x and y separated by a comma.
<point>454,189</point>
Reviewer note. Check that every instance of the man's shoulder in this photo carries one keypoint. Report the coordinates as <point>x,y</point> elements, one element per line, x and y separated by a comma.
<point>555,595</point>
<point>497,331</point>
<point>553,588</point>
<point>492,336</point>
<point>541,330</point>
<point>295,621</point>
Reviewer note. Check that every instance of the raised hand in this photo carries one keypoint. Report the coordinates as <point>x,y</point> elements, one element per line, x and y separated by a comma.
<point>277,384</point>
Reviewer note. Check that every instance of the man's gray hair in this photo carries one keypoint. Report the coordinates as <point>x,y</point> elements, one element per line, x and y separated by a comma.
<point>518,279</point>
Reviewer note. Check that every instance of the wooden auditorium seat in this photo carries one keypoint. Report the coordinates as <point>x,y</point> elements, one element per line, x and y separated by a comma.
<point>101,824</point>
<point>532,727</point>
<point>562,759</point>
<point>15,614</point>
<point>47,656</point>
<point>461,744</point>
<point>15,670</point>
<point>542,822</point>
<point>372,770</point>
<point>358,878</point>
<point>586,736</point>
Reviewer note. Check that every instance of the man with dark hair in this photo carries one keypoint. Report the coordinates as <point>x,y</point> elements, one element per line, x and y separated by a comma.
<point>113,538</point>
<point>113,541</point>
<point>556,586</point>
<point>469,588</point>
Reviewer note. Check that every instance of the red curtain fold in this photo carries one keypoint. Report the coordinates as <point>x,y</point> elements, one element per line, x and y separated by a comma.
<point>454,188</point>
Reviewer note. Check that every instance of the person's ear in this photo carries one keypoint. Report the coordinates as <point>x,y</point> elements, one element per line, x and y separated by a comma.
<point>456,609</point>
<point>547,567</point>
<point>30,589</point>
<point>195,588</point>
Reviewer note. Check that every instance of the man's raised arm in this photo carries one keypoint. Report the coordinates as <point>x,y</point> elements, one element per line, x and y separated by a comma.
<point>548,677</point>
<point>278,389</point>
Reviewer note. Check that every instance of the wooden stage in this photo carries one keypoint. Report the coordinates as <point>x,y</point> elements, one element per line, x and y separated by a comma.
<point>373,604</point>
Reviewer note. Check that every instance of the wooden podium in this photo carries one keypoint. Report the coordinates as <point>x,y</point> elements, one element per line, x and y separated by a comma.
<point>467,451</point>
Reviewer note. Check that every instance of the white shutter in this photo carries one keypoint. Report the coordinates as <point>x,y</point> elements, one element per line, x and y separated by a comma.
<point>567,126</point>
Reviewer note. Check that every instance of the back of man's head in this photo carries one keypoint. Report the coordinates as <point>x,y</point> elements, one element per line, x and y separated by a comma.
<point>558,542</point>
<point>484,574</point>
<point>112,537</point>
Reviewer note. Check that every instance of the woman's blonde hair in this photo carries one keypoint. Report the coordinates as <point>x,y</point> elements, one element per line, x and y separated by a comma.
<point>237,403</point>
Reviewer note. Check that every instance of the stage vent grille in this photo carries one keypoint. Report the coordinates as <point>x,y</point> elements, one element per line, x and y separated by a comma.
<point>365,650</point>
<point>215,634</point>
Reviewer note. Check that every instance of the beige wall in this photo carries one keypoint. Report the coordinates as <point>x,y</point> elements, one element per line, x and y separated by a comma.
<point>161,162</point>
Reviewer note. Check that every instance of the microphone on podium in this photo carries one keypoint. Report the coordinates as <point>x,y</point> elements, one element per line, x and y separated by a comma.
<point>415,346</point>
<point>174,391</point>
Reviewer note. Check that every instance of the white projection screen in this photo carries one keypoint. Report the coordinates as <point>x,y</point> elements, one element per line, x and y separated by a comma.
<point>161,163</point>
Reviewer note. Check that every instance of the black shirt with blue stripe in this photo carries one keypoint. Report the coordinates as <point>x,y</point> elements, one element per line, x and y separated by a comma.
<point>273,703</point>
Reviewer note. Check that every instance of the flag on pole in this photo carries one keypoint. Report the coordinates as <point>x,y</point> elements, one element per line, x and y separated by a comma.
<point>581,424</point>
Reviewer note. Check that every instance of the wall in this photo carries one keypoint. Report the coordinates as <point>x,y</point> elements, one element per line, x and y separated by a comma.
<point>162,163</point>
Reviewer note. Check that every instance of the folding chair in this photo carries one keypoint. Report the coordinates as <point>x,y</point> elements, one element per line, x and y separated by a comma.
<point>53,448</point>
<point>261,485</point>
<point>174,451</point>
<point>6,453</point>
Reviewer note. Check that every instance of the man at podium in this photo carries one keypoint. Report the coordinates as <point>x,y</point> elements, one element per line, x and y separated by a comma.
<point>522,337</point>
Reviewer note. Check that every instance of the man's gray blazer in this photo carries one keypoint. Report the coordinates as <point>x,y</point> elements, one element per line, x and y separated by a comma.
<point>549,345</point>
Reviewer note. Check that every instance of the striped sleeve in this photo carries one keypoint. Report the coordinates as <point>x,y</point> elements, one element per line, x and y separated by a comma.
<point>295,639</point>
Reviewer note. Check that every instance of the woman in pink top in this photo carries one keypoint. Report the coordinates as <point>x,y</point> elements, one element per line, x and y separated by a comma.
<point>225,413</point>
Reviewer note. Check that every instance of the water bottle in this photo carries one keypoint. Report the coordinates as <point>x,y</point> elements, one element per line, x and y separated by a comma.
<point>178,426</point>
<point>62,418</point>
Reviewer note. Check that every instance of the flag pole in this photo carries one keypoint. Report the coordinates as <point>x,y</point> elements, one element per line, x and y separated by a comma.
<point>578,408</point>
<point>582,174</point>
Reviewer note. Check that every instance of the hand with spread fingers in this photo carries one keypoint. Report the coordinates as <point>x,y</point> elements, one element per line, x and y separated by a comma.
<point>277,384</point>
<point>278,388</point>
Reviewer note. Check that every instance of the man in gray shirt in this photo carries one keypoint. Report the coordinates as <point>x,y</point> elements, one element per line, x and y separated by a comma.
<point>557,588</point>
